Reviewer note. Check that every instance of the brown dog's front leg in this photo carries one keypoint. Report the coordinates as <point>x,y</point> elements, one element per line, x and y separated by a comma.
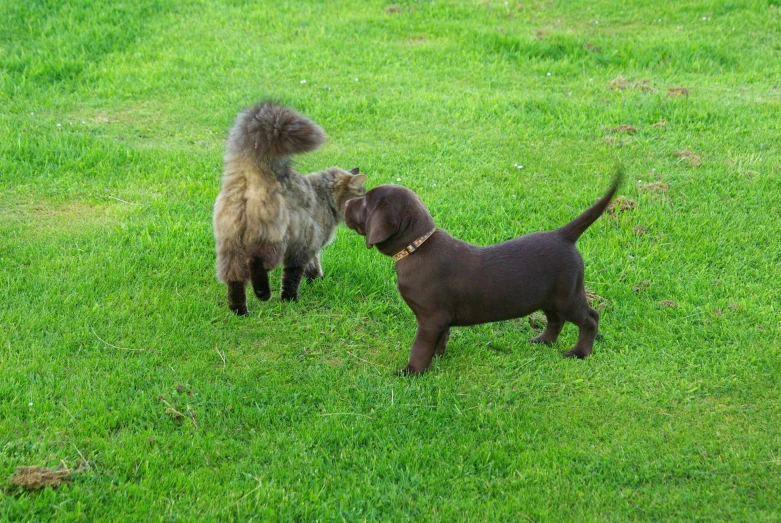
<point>426,344</point>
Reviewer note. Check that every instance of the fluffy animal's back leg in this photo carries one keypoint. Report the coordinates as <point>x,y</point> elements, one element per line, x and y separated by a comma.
<point>313,270</point>
<point>263,259</point>
<point>232,270</point>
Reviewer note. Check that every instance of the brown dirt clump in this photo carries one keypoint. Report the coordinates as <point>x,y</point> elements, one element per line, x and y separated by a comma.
<point>592,47</point>
<point>597,301</point>
<point>622,129</point>
<point>537,320</point>
<point>619,83</point>
<point>36,478</point>
<point>642,286</point>
<point>690,157</point>
<point>640,230</point>
<point>655,187</point>
<point>393,9</point>
<point>661,123</point>
<point>620,204</point>
<point>669,304</point>
<point>678,92</point>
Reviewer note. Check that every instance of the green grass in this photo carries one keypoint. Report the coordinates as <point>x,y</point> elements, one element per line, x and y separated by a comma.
<point>111,136</point>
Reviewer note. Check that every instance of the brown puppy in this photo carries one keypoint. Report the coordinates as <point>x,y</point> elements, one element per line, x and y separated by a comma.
<point>447,282</point>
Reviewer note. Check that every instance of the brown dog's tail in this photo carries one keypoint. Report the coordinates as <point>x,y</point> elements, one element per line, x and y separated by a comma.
<point>271,130</point>
<point>576,227</point>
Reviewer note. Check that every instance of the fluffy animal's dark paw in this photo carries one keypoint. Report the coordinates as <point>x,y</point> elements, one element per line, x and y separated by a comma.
<point>289,296</point>
<point>263,295</point>
<point>240,311</point>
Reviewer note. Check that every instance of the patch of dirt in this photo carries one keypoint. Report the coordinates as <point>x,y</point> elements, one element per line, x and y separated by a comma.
<point>640,230</point>
<point>596,301</point>
<point>733,306</point>
<point>642,286</point>
<point>36,478</point>
<point>669,304</point>
<point>661,123</point>
<point>537,320</point>
<point>393,9</point>
<point>717,312</point>
<point>690,157</point>
<point>621,84</point>
<point>592,47</point>
<point>620,204</point>
<point>622,129</point>
<point>678,92</point>
<point>655,187</point>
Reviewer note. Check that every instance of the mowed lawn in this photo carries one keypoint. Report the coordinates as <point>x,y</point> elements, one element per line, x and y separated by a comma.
<point>119,358</point>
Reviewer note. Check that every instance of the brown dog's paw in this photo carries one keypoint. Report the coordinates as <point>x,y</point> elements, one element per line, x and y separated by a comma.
<point>576,353</point>
<point>409,370</point>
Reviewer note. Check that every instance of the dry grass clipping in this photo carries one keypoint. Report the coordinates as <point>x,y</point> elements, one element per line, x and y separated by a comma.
<point>36,478</point>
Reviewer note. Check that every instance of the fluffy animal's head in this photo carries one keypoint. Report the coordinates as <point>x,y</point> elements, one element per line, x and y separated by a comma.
<point>345,185</point>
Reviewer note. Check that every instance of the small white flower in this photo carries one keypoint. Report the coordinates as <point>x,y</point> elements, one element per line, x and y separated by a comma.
<point>32,114</point>
<point>356,79</point>
<point>303,82</point>
<point>547,74</point>
<point>660,20</point>
<point>704,18</point>
<point>520,166</point>
<point>59,125</point>
<point>30,404</point>
<point>398,179</point>
<point>434,184</point>
<point>83,121</point>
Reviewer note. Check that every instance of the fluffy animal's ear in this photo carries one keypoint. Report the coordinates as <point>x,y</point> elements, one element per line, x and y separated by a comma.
<point>380,225</point>
<point>354,170</point>
<point>357,181</point>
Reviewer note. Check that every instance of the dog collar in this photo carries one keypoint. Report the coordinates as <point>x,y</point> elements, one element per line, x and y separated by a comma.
<point>412,247</point>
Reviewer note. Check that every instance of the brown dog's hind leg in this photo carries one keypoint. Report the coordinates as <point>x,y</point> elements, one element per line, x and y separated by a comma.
<point>442,345</point>
<point>237,297</point>
<point>426,343</point>
<point>552,329</point>
<point>588,323</point>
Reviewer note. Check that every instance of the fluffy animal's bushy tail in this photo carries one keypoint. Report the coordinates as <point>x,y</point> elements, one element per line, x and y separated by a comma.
<point>576,227</point>
<point>271,130</point>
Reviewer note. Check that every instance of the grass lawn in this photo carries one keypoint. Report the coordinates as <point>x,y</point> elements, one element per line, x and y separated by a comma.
<point>120,360</point>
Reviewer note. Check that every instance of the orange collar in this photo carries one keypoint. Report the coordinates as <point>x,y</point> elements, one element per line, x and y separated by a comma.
<point>412,247</point>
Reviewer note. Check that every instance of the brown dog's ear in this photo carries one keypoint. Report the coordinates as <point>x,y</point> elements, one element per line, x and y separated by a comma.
<point>379,226</point>
<point>354,170</point>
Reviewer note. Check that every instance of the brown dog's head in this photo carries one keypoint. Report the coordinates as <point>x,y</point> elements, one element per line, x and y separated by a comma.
<point>390,216</point>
